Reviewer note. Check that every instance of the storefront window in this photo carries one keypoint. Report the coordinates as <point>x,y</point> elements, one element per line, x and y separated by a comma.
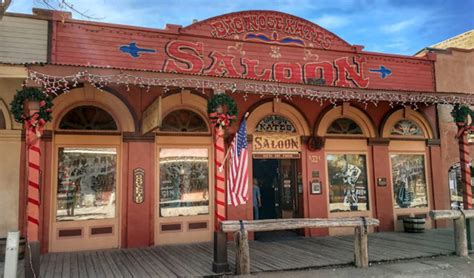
<point>86,183</point>
<point>406,128</point>
<point>183,120</point>
<point>88,117</point>
<point>2,121</point>
<point>456,186</point>
<point>184,182</point>
<point>409,181</point>
<point>347,182</point>
<point>344,126</point>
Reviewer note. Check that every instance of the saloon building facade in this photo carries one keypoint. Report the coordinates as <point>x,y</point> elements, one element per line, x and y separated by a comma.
<point>128,159</point>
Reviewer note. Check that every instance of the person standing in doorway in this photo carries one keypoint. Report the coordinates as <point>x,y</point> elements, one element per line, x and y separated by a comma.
<point>257,200</point>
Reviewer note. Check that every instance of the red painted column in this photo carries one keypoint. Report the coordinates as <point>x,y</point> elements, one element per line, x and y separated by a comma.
<point>440,187</point>
<point>383,203</point>
<point>318,204</point>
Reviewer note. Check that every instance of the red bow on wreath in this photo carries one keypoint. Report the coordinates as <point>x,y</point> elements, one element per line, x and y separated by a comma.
<point>463,129</point>
<point>35,124</point>
<point>221,119</point>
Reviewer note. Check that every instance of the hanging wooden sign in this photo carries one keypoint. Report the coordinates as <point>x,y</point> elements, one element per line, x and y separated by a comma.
<point>138,185</point>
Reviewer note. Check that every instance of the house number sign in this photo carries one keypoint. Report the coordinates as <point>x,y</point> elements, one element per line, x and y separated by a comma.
<point>138,185</point>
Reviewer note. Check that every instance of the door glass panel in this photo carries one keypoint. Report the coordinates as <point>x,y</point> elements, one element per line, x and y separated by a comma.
<point>86,183</point>
<point>347,182</point>
<point>184,182</point>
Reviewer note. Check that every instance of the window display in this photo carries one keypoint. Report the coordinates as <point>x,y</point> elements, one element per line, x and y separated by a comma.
<point>184,182</point>
<point>409,181</point>
<point>347,182</point>
<point>86,183</point>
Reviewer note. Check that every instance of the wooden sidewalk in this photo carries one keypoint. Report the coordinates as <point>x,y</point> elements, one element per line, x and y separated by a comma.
<point>194,260</point>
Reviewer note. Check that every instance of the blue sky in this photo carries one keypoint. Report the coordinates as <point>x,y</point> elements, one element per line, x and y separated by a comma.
<point>390,26</point>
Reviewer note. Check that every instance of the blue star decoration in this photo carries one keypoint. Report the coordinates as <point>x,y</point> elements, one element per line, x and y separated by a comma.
<point>383,71</point>
<point>133,50</point>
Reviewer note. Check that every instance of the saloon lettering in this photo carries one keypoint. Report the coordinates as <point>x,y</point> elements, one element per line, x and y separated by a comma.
<point>188,57</point>
<point>276,143</point>
<point>258,23</point>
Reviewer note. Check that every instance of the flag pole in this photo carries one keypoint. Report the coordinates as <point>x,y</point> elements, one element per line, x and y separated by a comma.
<point>221,168</point>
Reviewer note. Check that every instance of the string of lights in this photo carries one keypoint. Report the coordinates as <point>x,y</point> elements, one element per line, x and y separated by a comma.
<point>55,85</point>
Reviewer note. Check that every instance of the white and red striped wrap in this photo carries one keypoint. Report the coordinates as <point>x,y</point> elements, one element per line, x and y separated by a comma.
<point>220,202</point>
<point>465,170</point>
<point>33,134</point>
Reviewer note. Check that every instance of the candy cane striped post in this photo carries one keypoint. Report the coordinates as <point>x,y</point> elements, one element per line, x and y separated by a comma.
<point>465,170</point>
<point>220,197</point>
<point>220,264</point>
<point>32,265</point>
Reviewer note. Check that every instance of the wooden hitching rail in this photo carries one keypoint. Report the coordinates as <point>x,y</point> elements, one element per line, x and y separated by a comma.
<point>241,229</point>
<point>459,217</point>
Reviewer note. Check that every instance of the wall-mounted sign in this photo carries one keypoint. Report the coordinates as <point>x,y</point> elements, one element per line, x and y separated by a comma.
<point>382,181</point>
<point>276,156</point>
<point>314,158</point>
<point>138,185</point>
<point>276,143</point>
<point>315,186</point>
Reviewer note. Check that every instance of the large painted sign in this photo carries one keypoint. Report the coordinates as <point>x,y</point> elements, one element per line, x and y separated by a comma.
<point>255,45</point>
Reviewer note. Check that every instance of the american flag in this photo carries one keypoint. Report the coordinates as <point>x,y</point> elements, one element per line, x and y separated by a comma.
<point>237,182</point>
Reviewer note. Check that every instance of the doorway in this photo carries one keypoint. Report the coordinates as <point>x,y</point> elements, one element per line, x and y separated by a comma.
<point>278,182</point>
<point>277,179</point>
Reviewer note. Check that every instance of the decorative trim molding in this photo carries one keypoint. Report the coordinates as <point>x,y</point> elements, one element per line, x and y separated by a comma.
<point>138,137</point>
<point>378,141</point>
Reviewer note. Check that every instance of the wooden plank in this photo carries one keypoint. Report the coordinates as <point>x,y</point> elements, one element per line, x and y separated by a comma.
<point>74,267</point>
<point>451,214</point>
<point>114,267</point>
<point>295,223</point>
<point>44,261</point>
<point>51,265</point>
<point>146,262</point>
<point>194,261</point>
<point>66,265</point>
<point>139,265</point>
<point>182,266</point>
<point>157,261</point>
<point>128,262</point>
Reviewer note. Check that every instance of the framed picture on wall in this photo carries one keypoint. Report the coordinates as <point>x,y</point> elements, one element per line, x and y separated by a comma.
<point>315,187</point>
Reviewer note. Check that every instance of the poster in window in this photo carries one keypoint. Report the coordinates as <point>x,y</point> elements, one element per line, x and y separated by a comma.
<point>347,182</point>
<point>409,181</point>
<point>184,182</point>
<point>86,183</point>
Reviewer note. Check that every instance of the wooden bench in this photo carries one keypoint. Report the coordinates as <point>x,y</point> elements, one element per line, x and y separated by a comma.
<point>241,229</point>
<point>459,218</point>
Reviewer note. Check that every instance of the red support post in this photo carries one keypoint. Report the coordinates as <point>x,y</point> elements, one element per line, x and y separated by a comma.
<point>33,135</point>
<point>465,170</point>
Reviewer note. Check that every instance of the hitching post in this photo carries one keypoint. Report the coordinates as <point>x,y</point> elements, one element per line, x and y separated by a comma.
<point>220,264</point>
<point>32,252</point>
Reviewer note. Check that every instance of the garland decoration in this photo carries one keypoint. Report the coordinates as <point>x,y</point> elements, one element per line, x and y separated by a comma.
<point>36,121</point>
<point>463,117</point>
<point>222,110</point>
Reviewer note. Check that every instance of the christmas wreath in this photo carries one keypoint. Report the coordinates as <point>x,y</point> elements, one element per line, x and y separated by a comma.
<point>222,110</point>
<point>36,121</point>
<point>460,113</point>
